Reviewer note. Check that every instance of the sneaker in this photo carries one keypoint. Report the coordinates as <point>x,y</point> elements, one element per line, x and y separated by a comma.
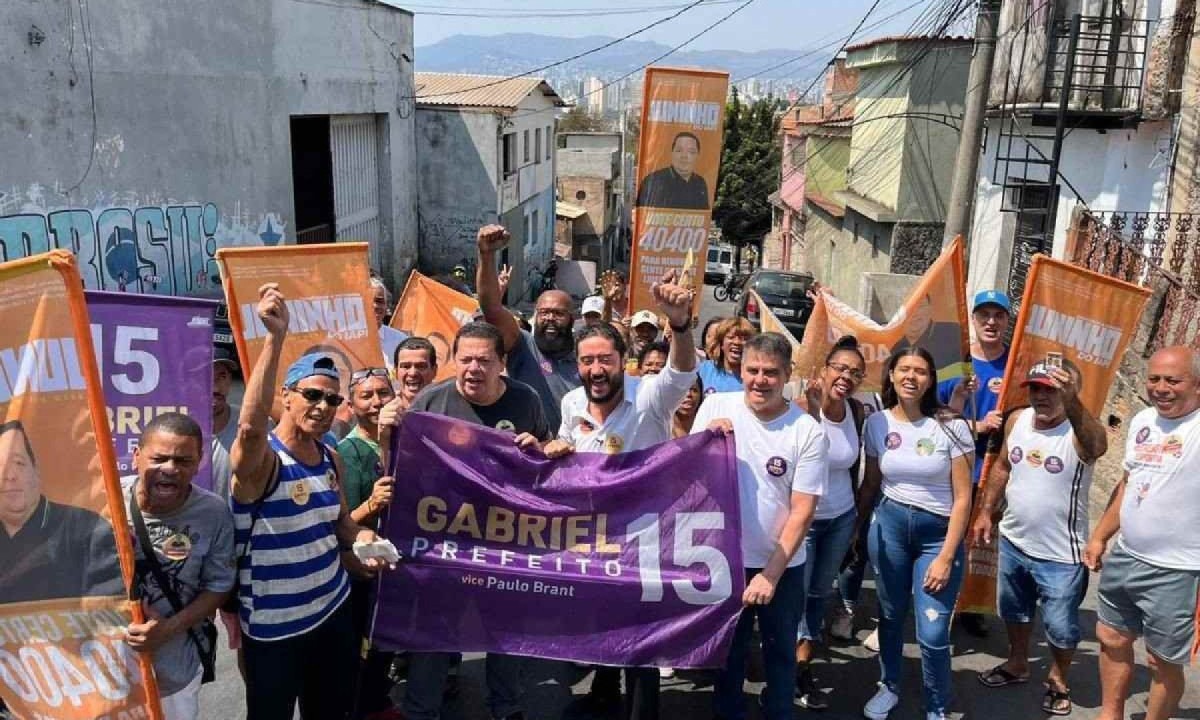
<point>810,696</point>
<point>872,641</point>
<point>842,627</point>
<point>884,701</point>
<point>666,673</point>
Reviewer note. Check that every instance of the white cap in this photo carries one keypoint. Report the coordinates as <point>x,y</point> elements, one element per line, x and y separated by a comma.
<point>593,304</point>
<point>644,316</point>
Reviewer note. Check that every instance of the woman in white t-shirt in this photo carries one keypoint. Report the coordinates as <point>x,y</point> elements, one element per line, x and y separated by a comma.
<point>921,454</point>
<point>828,399</point>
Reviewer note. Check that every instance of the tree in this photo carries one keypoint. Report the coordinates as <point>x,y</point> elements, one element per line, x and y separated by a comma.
<point>578,119</point>
<point>749,171</point>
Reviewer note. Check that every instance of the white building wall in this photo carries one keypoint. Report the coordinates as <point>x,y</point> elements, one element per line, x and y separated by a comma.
<point>1116,170</point>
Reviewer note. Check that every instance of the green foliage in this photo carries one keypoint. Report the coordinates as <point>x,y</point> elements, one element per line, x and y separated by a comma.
<point>749,170</point>
<point>578,119</point>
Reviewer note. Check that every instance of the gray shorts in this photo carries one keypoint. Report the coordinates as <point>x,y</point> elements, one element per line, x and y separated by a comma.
<point>1159,604</point>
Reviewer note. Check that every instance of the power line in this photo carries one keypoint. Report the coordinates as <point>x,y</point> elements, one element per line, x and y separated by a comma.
<point>549,13</point>
<point>564,61</point>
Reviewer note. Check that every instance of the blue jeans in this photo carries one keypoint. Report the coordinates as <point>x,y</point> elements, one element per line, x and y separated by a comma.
<point>1023,580</point>
<point>854,567</point>
<point>904,542</point>
<point>777,625</point>
<point>824,548</point>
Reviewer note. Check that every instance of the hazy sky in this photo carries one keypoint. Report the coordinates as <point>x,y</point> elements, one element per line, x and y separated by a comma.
<point>764,24</point>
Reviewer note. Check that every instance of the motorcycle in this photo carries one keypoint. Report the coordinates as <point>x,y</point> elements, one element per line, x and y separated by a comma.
<point>731,288</point>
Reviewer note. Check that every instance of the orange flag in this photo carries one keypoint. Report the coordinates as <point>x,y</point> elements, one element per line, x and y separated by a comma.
<point>1088,317</point>
<point>329,299</point>
<point>63,606</point>
<point>435,312</point>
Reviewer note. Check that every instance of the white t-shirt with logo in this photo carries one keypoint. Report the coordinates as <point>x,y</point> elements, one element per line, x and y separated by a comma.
<point>642,419</point>
<point>1161,509</point>
<point>915,458</point>
<point>774,460</point>
<point>1046,515</point>
<point>844,449</point>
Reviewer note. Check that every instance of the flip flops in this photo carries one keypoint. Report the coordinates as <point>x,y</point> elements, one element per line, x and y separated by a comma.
<point>1052,701</point>
<point>999,677</point>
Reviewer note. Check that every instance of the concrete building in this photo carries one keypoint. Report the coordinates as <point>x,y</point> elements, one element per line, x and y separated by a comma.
<point>589,176</point>
<point>1115,149</point>
<point>146,145</point>
<point>593,96</point>
<point>486,154</point>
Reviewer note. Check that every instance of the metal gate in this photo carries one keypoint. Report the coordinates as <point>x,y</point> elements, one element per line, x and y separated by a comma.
<point>353,142</point>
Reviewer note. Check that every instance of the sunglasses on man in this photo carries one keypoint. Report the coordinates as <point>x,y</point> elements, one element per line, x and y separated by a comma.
<point>315,395</point>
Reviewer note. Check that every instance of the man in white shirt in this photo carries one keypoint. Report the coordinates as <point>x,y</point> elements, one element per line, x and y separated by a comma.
<point>782,472</point>
<point>1150,579</point>
<point>1043,473</point>
<point>605,416</point>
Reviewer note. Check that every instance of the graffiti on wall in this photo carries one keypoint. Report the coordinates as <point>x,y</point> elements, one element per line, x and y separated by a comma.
<point>124,243</point>
<point>449,239</point>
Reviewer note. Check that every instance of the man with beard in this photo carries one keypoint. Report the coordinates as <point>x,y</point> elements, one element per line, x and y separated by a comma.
<point>543,360</point>
<point>293,533</point>
<point>602,417</point>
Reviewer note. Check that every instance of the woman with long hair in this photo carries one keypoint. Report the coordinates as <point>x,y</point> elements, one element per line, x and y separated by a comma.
<point>722,371</point>
<point>921,454</point>
<point>828,398</point>
<point>685,414</point>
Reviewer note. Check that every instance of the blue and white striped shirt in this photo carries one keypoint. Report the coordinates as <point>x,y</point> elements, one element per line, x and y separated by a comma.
<point>291,578</point>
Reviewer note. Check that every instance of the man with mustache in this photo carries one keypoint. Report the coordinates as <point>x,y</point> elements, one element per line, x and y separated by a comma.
<point>1042,475</point>
<point>603,417</point>
<point>1149,580</point>
<point>543,359</point>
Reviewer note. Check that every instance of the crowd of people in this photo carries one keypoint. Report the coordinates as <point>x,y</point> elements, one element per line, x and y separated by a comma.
<point>830,481</point>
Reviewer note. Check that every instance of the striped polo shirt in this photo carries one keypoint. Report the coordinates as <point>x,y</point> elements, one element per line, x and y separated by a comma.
<point>291,578</point>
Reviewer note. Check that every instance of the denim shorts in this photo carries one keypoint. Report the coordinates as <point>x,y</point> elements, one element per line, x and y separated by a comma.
<point>1024,581</point>
<point>1159,604</point>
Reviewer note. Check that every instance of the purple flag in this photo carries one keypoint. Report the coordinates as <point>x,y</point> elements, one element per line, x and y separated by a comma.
<point>155,356</point>
<point>631,559</point>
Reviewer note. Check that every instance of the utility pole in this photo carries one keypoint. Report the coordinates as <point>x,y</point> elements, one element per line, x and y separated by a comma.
<point>966,164</point>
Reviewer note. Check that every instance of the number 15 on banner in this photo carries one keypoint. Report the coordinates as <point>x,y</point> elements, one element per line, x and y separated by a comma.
<point>683,554</point>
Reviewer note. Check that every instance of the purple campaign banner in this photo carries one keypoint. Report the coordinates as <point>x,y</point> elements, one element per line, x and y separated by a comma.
<point>155,356</point>
<point>631,559</point>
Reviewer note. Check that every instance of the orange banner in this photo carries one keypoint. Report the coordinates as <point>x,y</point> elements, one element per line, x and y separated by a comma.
<point>68,559</point>
<point>435,312</point>
<point>933,316</point>
<point>329,300</point>
<point>683,116</point>
<point>1090,319</point>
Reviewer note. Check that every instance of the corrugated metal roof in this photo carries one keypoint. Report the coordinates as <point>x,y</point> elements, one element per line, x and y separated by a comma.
<point>493,91</point>
<point>909,38</point>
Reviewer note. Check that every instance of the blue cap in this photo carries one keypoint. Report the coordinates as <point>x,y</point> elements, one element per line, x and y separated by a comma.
<point>309,365</point>
<point>992,297</point>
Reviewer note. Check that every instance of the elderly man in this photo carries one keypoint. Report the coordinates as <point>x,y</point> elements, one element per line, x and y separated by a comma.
<point>1043,476</point>
<point>47,550</point>
<point>184,560</point>
<point>602,417</point>
<point>1149,581</point>
<point>381,305</point>
<point>293,533</point>
<point>544,359</point>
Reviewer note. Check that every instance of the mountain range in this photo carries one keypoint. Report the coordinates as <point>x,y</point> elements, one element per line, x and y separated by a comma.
<point>513,53</point>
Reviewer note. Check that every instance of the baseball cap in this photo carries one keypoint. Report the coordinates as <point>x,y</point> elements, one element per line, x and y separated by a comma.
<point>226,356</point>
<point>644,316</point>
<point>992,297</point>
<point>593,304</point>
<point>310,365</point>
<point>1039,374</point>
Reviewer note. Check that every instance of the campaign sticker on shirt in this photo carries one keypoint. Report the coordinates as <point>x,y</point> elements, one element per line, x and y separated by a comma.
<point>300,492</point>
<point>1035,458</point>
<point>177,547</point>
<point>614,444</point>
<point>331,479</point>
<point>547,368</point>
<point>892,440</point>
<point>1015,455</point>
<point>1143,435</point>
<point>1173,446</point>
<point>925,447</point>
<point>1054,464</point>
<point>776,465</point>
<point>506,425</point>
<point>1143,491</point>
<point>995,383</point>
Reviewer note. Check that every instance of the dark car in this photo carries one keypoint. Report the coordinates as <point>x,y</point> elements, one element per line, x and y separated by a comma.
<point>785,293</point>
<point>223,331</point>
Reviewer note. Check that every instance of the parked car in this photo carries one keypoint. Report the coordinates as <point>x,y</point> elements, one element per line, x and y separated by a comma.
<point>719,263</point>
<point>222,330</point>
<point>785,293</point>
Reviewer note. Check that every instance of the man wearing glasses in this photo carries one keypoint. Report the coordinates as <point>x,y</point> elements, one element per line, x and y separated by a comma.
<point>293,532</point>
<point>543,359</point>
